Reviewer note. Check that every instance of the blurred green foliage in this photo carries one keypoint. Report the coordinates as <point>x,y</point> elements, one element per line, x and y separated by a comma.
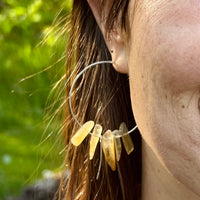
<point>31,39</point>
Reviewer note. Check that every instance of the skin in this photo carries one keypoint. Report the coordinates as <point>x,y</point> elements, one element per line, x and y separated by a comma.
<point>164,71</point>
<point>162,58</point>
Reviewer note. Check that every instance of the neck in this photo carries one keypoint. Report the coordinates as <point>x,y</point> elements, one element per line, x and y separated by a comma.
<point>158,183</point>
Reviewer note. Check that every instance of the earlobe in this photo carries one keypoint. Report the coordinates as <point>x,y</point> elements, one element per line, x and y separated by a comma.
<point>119,54</point>
<point>115,41</point>
<point>120,62</point>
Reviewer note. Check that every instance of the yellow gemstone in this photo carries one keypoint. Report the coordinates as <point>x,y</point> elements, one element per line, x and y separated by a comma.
<point>82,133</point>
<point>118,146</point>
<point>109,149</point>
<point>96,134</point>
<point>126,139</point>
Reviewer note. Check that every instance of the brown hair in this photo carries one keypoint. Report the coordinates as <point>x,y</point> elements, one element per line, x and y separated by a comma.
<point>101,95</point>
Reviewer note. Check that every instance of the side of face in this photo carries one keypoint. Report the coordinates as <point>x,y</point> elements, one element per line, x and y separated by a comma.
<point>164,70</point>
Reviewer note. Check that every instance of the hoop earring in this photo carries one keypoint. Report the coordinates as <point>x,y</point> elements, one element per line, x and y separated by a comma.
<point>110,140</point>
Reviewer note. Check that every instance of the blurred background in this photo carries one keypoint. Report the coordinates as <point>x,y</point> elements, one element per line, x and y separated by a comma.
<point>32,61</point>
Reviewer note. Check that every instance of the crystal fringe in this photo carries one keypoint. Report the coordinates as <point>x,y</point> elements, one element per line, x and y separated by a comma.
<point>110,141</point>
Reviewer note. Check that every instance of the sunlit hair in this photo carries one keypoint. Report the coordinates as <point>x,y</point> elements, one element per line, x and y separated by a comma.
<point>102,95</point>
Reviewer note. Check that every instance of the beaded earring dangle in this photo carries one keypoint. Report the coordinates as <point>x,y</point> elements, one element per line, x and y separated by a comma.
<point>110,140</point>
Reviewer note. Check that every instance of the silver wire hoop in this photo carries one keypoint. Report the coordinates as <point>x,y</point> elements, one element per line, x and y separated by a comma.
<point>72,87</point>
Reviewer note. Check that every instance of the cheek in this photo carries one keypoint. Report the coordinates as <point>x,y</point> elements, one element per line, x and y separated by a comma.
<point>164,70</point>
<point>177,52</point>
<point>164,62</point>
<point>168,32</point>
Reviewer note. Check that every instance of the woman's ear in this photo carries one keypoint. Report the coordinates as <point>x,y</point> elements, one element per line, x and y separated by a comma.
<point>115,40</point>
